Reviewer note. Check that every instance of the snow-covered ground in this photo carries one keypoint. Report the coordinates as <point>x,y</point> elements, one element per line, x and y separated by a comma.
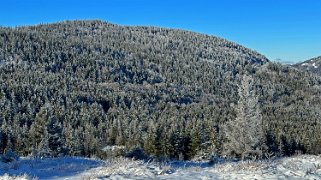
<point>73,168</point>
<point>55,168</point>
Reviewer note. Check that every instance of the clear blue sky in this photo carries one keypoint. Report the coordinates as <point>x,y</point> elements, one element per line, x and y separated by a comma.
<point>286,29</point>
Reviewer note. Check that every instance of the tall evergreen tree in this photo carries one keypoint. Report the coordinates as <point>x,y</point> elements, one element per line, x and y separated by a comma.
<point>245,135</point>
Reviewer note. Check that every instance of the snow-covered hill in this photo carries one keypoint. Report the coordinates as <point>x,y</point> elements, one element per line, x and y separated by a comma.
<point>312,65</point>
<point>297,167</point>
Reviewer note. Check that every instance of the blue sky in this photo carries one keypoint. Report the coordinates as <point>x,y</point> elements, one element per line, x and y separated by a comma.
<point>289,30</point>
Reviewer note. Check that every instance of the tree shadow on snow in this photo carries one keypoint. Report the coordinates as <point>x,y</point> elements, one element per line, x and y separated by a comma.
<point>51,168</point>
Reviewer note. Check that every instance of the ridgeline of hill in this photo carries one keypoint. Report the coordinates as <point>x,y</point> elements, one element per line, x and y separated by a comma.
<point>74,87</point>
<point>312,65</point>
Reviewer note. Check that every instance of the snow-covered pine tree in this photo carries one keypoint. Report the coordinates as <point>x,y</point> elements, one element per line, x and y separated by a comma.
<point>244,135</point>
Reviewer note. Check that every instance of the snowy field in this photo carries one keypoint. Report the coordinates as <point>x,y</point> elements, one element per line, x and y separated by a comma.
<point>73,168</point>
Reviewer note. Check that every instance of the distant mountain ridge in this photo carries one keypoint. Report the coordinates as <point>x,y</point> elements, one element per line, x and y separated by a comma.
<point>311,65</point>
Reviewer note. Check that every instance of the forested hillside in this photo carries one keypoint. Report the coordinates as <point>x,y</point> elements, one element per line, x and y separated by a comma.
<point>77,86</point>
<point>312,65</point>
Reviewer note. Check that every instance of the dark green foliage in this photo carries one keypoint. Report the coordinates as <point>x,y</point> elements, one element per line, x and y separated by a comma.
<point>9,156</point>
<point>3,141</point>
<point>74,87</point>
<point>137,154</point>
<point>55,136</point>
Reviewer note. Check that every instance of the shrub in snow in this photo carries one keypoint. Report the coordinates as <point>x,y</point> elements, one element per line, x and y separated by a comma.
<point>9,156</point>
<point>112,151</point>
<point>137,154</point>
<point>215,160</point>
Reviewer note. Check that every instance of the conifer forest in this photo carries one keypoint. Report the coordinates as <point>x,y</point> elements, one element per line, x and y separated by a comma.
<point>75,87</point>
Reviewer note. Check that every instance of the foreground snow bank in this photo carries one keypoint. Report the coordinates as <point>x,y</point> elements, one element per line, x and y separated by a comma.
<point>297,167</point>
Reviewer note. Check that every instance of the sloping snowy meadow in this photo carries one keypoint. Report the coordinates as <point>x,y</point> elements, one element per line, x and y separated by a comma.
<point>296,167</point>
